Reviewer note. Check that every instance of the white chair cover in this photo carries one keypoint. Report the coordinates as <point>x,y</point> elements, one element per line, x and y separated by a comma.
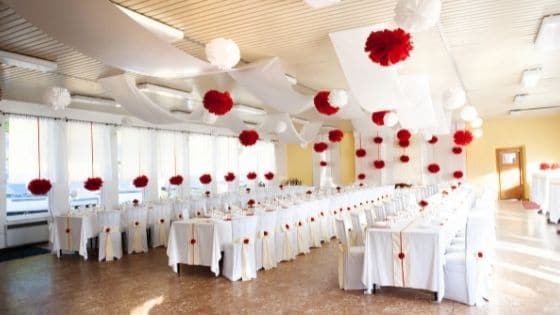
<point>110,239</point>
<point>68,234</point>
<point>160,223</point>
<point>239,256</point>
<point>137,223</point>
<point>286,245</point>
<point>265,241</point>
<point>350,261</point>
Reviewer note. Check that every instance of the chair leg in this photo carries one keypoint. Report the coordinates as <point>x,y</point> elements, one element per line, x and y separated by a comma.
<point>435,296</point>
<point>178,270</point>
<point>374,288</point>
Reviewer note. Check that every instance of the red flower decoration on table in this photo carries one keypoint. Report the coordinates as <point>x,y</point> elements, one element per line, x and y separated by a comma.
<point>161,220</point>
<point>246,241</point>
<point>457,150</point>
<point>379,164</point>
<point>434,140</point>
<point>360,152</point>
<point>93,183</point>
<point>361,176</point>
<point>135,202</point>
<point>404,143</point>
<point>140,181</point>
<point>251,175</point>
<point>251,202</point>
<point>433,168</point>
<point>323,163</point>
<point>136,223</point>
<point>207,193</point>
<point>320,147</point>
<point>269,175</point>
<point>247,190</point>
<point>453,187</point>
<point>287,226</point>
<point>265,233</point>
<point>378,140</point>
<point>404,135</point>
<point>462,137</point>
<point>205,179</point>
<point>281,187</point>
<point>67,231</point>
<point>107,230</point>
<point>480,255</point>
<point>457,174</point>
<point>404,158</point>
<point>309,192</point>
<point>336,135</point>
<point>423,203</point>
<point>229,177</point>
<point>322,214</point>
<point>193,241</point>
<point>401,255</point>
<point>176,180</point>
<point>544,166</point>
<point>378,118</point>
<point>39,186</point>
<point>388,47</point>
<point>248,137</point>
<point>217,103</point>
<point>322,104</point>
<point>361,184</point>
<point>338,188</point>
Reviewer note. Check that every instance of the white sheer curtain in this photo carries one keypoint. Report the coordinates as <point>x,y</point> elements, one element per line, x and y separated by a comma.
<point>136,157</point>
<point>259,158</point>
<point>171,157</point>
<point>227,150</point>
<point>323,175</point>
<point>202,160</point>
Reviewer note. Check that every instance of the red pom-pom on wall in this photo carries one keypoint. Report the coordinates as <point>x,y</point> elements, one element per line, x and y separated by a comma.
<point>360,152</point>
<point>93,183</point>
<point>404,135</point>
<point>217,103</point>
<point>251,175</point>
<point>205,179</point>
<point>176,180</point>
<point>248,137</point>
<point>229,177</point>
<point>336,135</point>
<point>378,140</point>
<point>323,163</point>
<point>404,143</point>
<point>320,147</point>
<point>322,104</point>
<point>404,158</point>
<point>433,168</point>
<point>457,174</point>
<point>269,175</point>
<point>378,118</point>
<point>140,181</point>
<point>39,186</point>
<point>462,137</point>
<point>379,164</point>
<point>388,47</point>
<point>457,150</point>
<point>361,176</point>
<point>434,140</point>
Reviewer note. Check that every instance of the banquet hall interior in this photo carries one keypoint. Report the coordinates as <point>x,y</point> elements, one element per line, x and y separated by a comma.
<point>279,156</point>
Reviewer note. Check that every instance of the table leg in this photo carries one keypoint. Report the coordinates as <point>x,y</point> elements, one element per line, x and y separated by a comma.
<point>178,269</point>
<point>435,296</point>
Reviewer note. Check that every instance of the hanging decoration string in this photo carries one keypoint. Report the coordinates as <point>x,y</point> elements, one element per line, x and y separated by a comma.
<point>91,142</point>
<point>175,154</point>
<point>39,147</point>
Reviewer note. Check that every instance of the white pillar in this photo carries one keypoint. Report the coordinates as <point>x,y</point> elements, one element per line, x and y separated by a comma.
<point>2,182</point>
<point>152,190</point>
<point>110,191</point>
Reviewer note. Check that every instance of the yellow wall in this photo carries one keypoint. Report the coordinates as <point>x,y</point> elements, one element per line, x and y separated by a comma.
<point>540,135</point>
<point>347,160</point>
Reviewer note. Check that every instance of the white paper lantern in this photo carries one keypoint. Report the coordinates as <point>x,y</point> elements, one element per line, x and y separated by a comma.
<point>417,15</point>
<point>476,123</point>
<point>454,98</point>
<point>477,133</point>
<point>280,127</point>
<point>209,118</point>
<point>390,119</point>
<point>338,98</point>
<point>223,53</point>
<point>58,97</point>
<point>468,113</point>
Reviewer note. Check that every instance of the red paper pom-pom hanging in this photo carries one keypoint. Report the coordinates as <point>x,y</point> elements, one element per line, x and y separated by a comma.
<point>336,135</point>
<point>361,176</point>
<point>322,104</point>
<point>379,164</point>
<point>404,143</point>
<point>457,150</point>
<point>269,175</point>
<point>404,158</point>
<point>176,180</point>
<point>251,175</point>
<point>140,181</point>
<point>404,135</point>
<point>217,103</point>
<point>93,183</point>
<point>434,140</point>
<point>433,168</point>
<point>378,140</point>
<point>323,163</point>
<point>205,179</point>
<point>462,137</point>
<point>388,47</point>
<point>378,118</point>
<point>360,152</point>
<point>229,177</point>
<point>457,174</point>
<point>423,203</point>
<point>248,137</point>
<point>39,186</point>
<point>320,147</point>
<point>544,166</point>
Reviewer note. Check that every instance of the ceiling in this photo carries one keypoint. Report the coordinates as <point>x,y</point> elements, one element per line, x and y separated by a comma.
<point>490,40</point>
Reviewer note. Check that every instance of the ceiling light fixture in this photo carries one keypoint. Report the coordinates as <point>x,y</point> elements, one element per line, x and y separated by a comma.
<point>162,90</point>
<point>548,37</point>
<point>27,62</point>
<point>291,79</point>
<point>249,109</point>
<point>162,31</point>
<point>530,77</point>
<point>520,98</point>
<point>94,100</point>
<point>318,4</point>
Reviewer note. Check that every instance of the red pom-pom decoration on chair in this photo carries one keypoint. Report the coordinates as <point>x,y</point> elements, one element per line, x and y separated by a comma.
<point>269,175</point>
<point>404,158</point>
<point>320,147</point>
<point>336,135</point>
<point>404,135</point>
<point>322,104</point>
<point>434,140</point>
<point>379,164</point>
<point>251,175</point>
<point>457,150</point>
<point>361,152</point>
<point>433,168</point>
<point>458,174</point>
<point>388,47</point>
<point>39,186</point>
<point>378,118</point>
<point>361,176</point>
<point>205,179</point>
<point>229,177</point>
<point>378,140</point>
<point>140,181</point>
<point>217,103</point>
<point>248,137</point>
<point>93,183</point>
<point>462,137</point>
<point>176,180</point>
<point>323,163</point>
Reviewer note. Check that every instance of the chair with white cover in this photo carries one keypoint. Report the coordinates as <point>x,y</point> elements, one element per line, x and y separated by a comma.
<point>370,216</point>
<point>181,210</point>
<point>302,229</point>
<point>357,231</point>
<point>136,236</point>
<point>285,236</point>
<point>160,224</point>
<point>67,237</point>
<point>466,272</point>
<point>110,240</point>
<point>239,256</point>
<point>265,243</point>
<point>350,261</point>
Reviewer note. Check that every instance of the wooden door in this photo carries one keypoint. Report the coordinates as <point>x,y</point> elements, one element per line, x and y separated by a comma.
<point>510,166</point>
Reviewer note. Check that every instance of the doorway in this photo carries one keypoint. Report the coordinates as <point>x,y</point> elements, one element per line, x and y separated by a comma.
<point>511,165</point>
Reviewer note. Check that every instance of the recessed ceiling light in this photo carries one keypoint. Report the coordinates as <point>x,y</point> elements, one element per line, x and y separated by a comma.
<point>531,77</point>
<point>27,62</point>
<point>163,90</point>
<point>249,109</point>
<point>548,37</point>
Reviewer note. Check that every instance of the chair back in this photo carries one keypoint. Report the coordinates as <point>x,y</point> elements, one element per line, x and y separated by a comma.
<point>137,214</point>
<point>356,225</point>
<point>267,221</point>
<point>244,227</point>
<point>476,235</point>
<point>370,216</point>
<point>110,218</point>
<point>342,232</point>
<point>160,212</point>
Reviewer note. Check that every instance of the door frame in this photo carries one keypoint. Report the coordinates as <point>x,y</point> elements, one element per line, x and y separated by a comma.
<point>521,169</point>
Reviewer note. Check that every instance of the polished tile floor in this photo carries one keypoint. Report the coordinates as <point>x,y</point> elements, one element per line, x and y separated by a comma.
<point>526,281</point>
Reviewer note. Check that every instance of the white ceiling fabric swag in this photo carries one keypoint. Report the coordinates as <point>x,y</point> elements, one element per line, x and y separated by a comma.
<point>454,98</point>
<point>417,15</point>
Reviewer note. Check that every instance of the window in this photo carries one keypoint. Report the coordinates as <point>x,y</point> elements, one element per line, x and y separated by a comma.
<point>134,159</point>
<point>22,155</point>
<point>259,158</point>
<point>227,150</point>
<point>171,161</point>
<point>201,161</point>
